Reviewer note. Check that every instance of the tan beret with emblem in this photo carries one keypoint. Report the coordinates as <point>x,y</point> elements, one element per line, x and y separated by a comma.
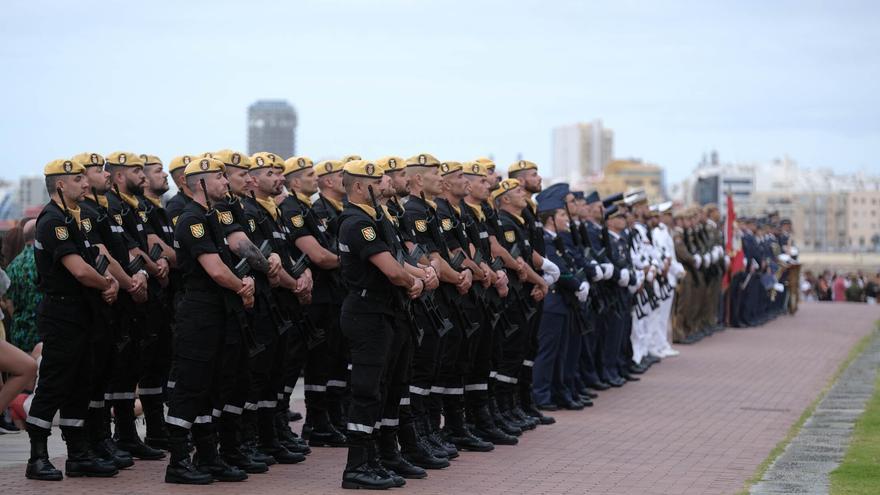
<point>151,159</point>
<point>504,187</point>
<point>363,168</point>
<point>89,159</point>
<point>124,159</point>
<point>487,163</point>
<point>473,168</point>
<point>297,164</point>
<point>328,167</point>
<point>348,158</point>
<point>179,162</point>
<point>204,166</point>
<point>521,165</point>
<point>447,168</point>
<point>422,160</point>
<point>391,163</point>
<point>232,158</point>
<point>264,159</point>
<point>63,167</point>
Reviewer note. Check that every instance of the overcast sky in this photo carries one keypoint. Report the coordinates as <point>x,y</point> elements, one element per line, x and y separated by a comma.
<point>673,79</point>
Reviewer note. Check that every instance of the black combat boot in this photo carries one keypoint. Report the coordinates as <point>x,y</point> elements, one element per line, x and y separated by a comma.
<point>528,406</point>
<point>126,434</point>
<point>416,451</point>
<point>391,458</point>
<point>180,468</point>
<point>231,446</point>
<point>208,461</point>
<point>358,472</point>
<point>485,428</point>
<point>458,434</point>
<point>81,461</point>
<point>501,421</point>
<point>376,463</point>
<point>249,439</point>
<point>505,407</point>
<point>269,443</point>
<point>39,467</point>
<point>321,431</point>
<point>432,428</point>
<point>516,410</point>
<point>98,434</point>
<point>154,414</point>
<point>287,437</point>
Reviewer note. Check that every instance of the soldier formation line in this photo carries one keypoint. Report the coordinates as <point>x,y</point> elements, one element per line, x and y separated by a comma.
<point>428,307</point>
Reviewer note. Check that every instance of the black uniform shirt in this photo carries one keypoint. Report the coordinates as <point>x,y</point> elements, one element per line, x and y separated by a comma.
<point>174,206</point>
<point>416,215</point>
<point>359,240</point>
<point>54,239</point>
<point>100,228</point>
<point>194,238</point>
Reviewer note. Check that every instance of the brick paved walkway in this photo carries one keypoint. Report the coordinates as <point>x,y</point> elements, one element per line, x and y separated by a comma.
<point>699,423</point>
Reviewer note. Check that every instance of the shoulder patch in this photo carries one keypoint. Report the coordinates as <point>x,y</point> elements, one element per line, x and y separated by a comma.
<point>421,225</point>
<point>197,230</point>
<point>143,216</point>
<point>174,220</point>
<point>446,223</point>
<point>61,233</point>
<point>226,217</point>
<point>252,224</point>
<point>509,235</point>
<point>86,224</point>
<point>297,221</point>
<point>369,233</point>
<point>118,219</point>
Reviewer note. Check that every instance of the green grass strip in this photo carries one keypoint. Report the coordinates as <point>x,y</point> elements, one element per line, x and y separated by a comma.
<point>857,349</point>
<point>859,473</point>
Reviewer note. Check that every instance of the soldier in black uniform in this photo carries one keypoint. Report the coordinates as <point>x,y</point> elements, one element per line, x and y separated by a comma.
<point>480,233</point>
<point>66,277</point>
<point>214,298</point>
<point>140,364</point>
<point>526,173</point>
<point>510,199</point>
<point>429,381</point>
<point>288,292</point>
<point>325,371</point>
<point>113,244</point>
<point>371,273</point>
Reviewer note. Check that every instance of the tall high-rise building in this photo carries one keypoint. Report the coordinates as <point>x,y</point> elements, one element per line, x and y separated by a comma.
<point>272,128</point>
<point>581,149</point>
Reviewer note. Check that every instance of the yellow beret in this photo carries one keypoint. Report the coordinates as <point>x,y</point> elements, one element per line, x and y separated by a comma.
<point>204,166</point>
<point>709,207</point>
<point>264,159</point>
<point>521,165</point>
<point>447,168</point>
<point>179,162</point>
<point>504,186</point>
<point>474,168</point>
<point>328,167</point>
<point>89,159</point>
<point>423,160</point>
<point>363,168</point>
<point>125,159</point>
<point>297,163</point>
<point>151,160</point>
<point>231,158</point>
<point>391,163</point>
<point>63,167</point>
<point>487,163</point>
<point>347,158</point>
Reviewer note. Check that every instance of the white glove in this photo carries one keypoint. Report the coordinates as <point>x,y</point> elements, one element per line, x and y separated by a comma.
<point>784,258</point>
<point>698,261</point>
<point>583,291</point>
<point>551,271</point>
<point>609,270</point>
<point>650,276</point>
<point>794,251</point>
<point>778,287</point>
<point>726,262</point>
<point>623,281</point>
<point>599,273</point>
<point>707,260</point>
<point>640,277</point>
<point>714,256</point>
<point>656,287</point>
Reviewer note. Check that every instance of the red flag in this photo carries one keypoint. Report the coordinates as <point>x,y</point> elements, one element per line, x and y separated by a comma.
<point>734,243</point>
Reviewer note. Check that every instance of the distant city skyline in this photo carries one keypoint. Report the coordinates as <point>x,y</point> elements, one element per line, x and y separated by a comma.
<point>674,79</point>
